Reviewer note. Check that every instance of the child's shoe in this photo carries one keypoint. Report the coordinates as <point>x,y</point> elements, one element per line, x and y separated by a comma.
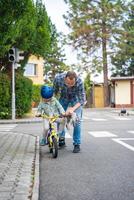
<point>62,142</point>
<point>43,142</point>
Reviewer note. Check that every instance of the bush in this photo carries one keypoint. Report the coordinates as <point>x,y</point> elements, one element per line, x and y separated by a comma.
<point>23,92</point>
<point>5,97</point>
<point>36,94</point>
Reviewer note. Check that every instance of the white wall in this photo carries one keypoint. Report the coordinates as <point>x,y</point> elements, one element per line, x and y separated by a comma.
<point>122,92</point>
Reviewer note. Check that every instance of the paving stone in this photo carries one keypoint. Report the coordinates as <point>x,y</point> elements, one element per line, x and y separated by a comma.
<point>5,188</point>
<point>16,166</point>
<point>4,196</point>
<point>20,197</point>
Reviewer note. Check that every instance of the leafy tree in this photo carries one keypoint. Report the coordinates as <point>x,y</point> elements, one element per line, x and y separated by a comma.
<point>123,60</point>
<point>10,14</point>
<point>43,35</point>
<point>93,25</point>
<point>26,27</point>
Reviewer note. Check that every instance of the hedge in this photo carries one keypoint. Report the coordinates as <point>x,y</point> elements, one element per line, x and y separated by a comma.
<point>5,97</point>
<point>23,94</point>
<point>36,95</point>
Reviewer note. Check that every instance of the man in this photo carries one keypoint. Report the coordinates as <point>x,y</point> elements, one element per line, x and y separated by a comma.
<point>70,89</point>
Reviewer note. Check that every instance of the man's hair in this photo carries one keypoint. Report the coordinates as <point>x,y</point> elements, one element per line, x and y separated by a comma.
<point>71,75</point>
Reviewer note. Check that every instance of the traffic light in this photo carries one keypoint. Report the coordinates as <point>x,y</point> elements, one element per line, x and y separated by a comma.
<point>19,55</point>
<point>11,54</point>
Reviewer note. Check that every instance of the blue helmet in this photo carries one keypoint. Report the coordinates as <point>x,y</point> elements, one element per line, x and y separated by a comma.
<point>47,92</point>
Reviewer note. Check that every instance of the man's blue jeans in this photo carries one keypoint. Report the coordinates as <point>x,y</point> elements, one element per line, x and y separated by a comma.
<point>77,126</point>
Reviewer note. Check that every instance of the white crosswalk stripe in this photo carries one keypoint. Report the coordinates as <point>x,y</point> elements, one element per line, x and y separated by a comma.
<point>98,119</point>
<point>103,119</point>
<point>121,141</point>
<point>84,117</point>
<point>100,134</point>
<point>131,132</point>
<point>122,118</point>
<point>7,127</point>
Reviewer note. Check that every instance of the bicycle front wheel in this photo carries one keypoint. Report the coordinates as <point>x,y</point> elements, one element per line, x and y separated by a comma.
<point>55,148</point>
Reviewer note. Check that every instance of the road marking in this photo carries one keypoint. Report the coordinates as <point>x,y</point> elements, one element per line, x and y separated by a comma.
<point>67,135</point>
<point>84,117</point>
<point>119,140</point>
<point>122,118</point>
<point>101,134</point>
<point>131,132</point>
<point>98,119</point>
<point>7,127</point>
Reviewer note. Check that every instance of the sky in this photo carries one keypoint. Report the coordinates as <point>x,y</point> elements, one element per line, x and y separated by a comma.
<point>55,10</point>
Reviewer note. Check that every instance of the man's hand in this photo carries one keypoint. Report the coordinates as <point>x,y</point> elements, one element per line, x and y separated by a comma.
<point>70,111</point>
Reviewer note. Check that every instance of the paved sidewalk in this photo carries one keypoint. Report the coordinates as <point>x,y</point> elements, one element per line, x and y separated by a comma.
<point>19,166</point>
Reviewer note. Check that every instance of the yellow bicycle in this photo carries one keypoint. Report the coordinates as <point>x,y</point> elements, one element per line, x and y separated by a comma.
<point>52,136</point>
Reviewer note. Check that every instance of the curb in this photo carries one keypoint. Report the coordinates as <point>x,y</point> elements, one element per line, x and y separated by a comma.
<point>35,193</point>
<point>21,121</point>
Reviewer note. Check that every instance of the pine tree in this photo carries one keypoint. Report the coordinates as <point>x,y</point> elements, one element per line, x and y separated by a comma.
<point>93,25</point>
<point>123,60</point>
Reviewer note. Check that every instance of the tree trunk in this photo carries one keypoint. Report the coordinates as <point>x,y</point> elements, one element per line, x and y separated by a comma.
<point>105,66</point>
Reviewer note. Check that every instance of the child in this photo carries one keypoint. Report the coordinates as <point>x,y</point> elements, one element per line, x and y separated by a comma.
<point>50,106</point>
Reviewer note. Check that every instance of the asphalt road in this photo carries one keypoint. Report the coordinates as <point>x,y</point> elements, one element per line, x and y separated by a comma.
<point>103,170</point>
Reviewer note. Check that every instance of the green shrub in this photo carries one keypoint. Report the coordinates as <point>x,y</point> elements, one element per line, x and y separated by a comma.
<point>23,95</point>
<point>23,92</point>
<point>5,97</point>
<point>36,94</point>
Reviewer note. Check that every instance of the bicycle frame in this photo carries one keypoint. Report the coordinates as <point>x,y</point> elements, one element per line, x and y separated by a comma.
<point>52,135</point>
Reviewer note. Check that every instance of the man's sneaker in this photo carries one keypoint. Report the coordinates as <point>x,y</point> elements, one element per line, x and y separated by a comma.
<point>61,141</point>
<point>76,148</point>
<point>42,142</point>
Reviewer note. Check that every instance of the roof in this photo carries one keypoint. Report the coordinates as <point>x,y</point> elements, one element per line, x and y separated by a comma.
<point>120,78</point>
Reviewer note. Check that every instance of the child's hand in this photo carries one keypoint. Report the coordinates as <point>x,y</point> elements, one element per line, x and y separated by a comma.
<point>38,115</point>
<point>62,114</point>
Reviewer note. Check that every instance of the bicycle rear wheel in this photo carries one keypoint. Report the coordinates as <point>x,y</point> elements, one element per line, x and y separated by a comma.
<point>55,148</point>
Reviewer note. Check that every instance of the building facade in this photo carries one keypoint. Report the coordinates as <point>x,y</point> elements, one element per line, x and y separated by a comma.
<point>34,70</point>
<point>122,94</point>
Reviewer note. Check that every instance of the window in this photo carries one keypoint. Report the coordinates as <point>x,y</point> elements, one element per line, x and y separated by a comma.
<point>30,69</point>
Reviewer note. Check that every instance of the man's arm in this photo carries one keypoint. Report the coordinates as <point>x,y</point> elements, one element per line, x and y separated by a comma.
<point>81,96</point>
<point>70,110</point>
